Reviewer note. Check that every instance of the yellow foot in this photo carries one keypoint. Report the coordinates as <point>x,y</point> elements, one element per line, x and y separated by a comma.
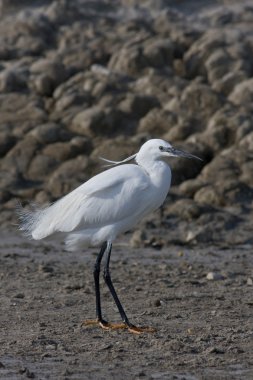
<point>139,330</point>
<point>95,322</point>
<point>104,324</point>
<point>117,326</point>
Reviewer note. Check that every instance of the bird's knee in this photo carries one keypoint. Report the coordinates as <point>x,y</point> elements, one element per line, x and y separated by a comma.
<point>96,270</point>
<point>106,275</point>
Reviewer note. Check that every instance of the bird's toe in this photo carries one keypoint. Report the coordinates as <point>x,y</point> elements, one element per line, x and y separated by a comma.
<point>139,330</point>
<point>96,322</point>
<point>117,326</point>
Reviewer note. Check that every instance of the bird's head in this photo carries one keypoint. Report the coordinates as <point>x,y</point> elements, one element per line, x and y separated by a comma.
<point>151,151</point>
<point>157,150</point>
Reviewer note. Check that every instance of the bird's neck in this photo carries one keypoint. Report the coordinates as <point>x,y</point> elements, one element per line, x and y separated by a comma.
<point>158,171</point>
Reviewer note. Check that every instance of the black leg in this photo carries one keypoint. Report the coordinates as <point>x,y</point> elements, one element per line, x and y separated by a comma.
<point>107,247</point>
<point>108,281</point>
<point>96,274</point>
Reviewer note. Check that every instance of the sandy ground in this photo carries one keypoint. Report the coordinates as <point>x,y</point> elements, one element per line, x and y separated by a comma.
<point>204,327</point>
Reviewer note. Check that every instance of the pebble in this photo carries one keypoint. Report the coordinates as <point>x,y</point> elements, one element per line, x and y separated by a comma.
<point>51,347</point>
<point>46,268</point>
<point>25,371</point>
<point>158,303</point>
<point>138,238</point>
<point>214,276</point>
<point>19,295</point>
<point>215,350</point>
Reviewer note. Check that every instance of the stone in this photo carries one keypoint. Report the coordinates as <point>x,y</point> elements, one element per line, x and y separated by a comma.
<point>7,141</point>
<point>97,121</point>
<point>41,166</point>
<point>242,93</point>
<point>138,239</point>
<point>43,197</point>
<point>138,105</point>
<point>6,5</point>
<point>244,130</point>
<point>68,176</point>
<point>11,81</point>
<point>201,50</point>
<point>180,131</point>
<point>20,112</point>
<point>128,60</point>
<point>214,276</point>
<point>220,167</point>
<point>228,82</point>
<point>186,209</point>
<point>218,64</point>
<point>191,186</point>
<point>5,196</point>
<point>48,74</point>
<point>209,195</point>
<point>82,144</point>
<point>71,99</point>
<point>246,175</point>
<point>159,52</point>
<point>62,151</point>
<point>157,121</point>
<point>88,120</point>
<point>198,101</point>
<point>44,85</point>
<point>20,156</point>
<point>50,133</point>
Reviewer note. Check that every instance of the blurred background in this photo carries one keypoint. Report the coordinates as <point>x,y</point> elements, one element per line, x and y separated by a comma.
<point>82,79</point>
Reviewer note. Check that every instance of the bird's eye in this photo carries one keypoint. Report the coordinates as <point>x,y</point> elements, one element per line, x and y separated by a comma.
<point>161,148</point>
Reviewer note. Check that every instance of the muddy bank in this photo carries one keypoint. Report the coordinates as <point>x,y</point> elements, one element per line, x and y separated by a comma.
<point>204,325</point>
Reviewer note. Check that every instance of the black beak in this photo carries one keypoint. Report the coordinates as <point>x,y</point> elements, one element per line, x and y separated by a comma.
<point>180,153</point>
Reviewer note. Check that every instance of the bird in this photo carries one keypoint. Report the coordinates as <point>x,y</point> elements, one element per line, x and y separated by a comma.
<point>105,206</point>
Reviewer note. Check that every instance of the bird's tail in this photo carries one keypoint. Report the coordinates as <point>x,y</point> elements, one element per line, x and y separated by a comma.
<point>29,218</point>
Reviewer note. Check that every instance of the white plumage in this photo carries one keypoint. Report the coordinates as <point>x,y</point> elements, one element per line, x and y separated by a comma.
<point>108,204</point>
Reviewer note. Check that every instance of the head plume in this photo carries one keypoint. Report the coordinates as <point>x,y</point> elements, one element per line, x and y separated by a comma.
<point>115,163</point>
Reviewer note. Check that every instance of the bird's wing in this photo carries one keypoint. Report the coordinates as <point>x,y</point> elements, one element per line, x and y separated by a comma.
<point>105,199</point>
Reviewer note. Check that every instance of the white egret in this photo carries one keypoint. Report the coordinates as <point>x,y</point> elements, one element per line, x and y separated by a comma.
<point>110,203</point>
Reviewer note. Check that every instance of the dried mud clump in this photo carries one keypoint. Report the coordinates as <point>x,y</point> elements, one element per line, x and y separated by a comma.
<point>82,79</point>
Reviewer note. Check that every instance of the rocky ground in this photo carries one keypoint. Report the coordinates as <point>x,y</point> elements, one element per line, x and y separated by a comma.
<point>82,79</point>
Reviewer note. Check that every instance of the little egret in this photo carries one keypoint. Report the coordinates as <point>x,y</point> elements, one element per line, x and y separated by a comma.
<point>110,203</point>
